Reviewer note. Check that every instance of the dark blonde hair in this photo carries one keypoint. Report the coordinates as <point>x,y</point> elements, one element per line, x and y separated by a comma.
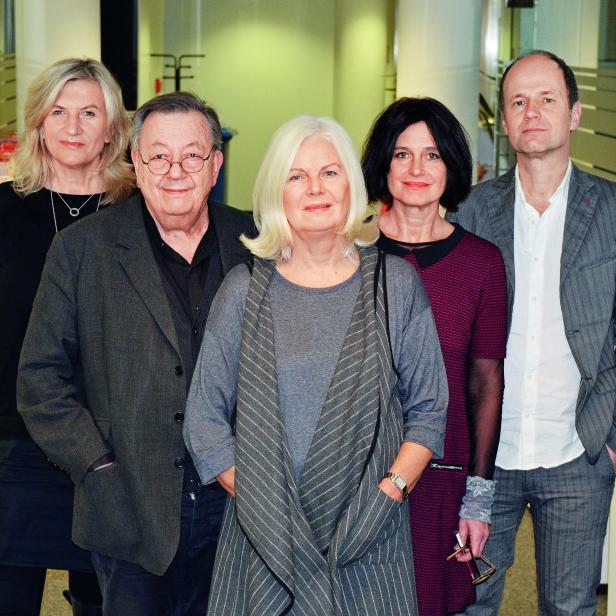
<point>32,163</point>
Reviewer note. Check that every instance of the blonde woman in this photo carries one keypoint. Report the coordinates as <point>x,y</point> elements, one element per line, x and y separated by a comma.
<point>319,396</point>
<point>69,164</point>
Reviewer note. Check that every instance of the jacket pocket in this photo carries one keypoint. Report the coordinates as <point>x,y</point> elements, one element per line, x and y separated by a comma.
<point>103,517</point>
<point>375,524</point>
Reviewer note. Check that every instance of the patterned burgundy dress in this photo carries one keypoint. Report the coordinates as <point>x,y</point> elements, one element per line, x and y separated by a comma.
<point>464,277</point>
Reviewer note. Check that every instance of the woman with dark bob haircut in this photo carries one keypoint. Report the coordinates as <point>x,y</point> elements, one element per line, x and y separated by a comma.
<point>417,160</point>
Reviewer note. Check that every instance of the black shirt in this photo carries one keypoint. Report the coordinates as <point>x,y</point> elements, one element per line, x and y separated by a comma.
<point>27,228</point>
<point>190,288</point>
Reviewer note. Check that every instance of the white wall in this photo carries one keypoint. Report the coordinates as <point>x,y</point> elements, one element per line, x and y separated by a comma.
<point>46,31</point>
<point>570,29</point>
<point>438,55</point>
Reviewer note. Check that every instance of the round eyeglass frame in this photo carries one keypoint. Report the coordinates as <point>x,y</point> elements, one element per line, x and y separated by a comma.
<point>180,162</point>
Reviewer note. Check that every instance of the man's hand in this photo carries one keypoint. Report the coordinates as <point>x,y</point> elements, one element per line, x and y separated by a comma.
<point>612,456</point>
<point>478,533</point>
<point>103,462</point>
<point>227,480</point>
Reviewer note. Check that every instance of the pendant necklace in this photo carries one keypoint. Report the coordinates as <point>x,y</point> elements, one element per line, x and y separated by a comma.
<point>73,211</point>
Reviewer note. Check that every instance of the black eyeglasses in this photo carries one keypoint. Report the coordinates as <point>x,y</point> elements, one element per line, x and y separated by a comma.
<point>193,163</point>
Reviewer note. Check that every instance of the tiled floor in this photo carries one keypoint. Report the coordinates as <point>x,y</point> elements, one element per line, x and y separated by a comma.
<point>520,598</point>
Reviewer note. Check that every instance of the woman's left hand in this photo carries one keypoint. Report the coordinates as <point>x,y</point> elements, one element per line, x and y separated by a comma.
<point>478,533</point>
<point>387,486</point>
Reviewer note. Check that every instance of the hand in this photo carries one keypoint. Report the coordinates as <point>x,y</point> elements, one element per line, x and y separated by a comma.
<point>227,480</point>
<point>387,486</point>
<point>103,462</point>
<point>612,455</point>
<point>478,533</point>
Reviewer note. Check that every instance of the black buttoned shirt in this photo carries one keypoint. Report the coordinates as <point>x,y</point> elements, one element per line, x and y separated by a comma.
<point>190,288</point>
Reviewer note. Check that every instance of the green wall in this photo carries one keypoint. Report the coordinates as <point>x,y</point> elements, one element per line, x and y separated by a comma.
<point>271,60</point>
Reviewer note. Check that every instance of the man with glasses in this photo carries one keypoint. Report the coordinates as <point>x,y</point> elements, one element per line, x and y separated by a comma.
<point>109,355</point>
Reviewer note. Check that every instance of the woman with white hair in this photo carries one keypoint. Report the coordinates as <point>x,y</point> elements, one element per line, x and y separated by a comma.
<point>318,398</point>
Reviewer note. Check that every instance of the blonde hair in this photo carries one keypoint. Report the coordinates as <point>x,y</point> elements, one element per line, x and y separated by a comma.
<point>274,240</point>
<point>32,162</point>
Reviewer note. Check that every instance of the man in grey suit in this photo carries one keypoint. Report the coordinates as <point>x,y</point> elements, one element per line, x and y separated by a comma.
<point>108,358</point>
<point>556,228</point>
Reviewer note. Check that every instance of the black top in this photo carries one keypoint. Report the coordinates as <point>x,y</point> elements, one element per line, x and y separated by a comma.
<point>190,288</point>
<point>27,228</point>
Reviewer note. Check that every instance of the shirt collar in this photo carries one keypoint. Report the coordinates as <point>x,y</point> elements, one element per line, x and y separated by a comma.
<point>207,246</point>
<point>560,195</point>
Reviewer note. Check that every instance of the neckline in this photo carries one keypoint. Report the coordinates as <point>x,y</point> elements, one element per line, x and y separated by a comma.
<point>335,287</point>
<point>425,253</point>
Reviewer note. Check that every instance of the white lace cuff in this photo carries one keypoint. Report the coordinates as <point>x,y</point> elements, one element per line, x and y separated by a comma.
<point>477,502</point>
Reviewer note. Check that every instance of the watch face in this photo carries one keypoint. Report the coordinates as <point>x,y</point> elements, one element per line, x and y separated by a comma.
<point>399,483</point>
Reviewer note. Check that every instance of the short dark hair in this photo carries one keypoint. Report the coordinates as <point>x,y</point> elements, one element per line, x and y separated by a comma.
<point>176,102</point>
<point>573,94</point>
<point>450,138</point>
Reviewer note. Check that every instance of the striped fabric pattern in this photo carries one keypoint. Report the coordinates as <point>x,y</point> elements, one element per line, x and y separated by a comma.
<point>336,544</point>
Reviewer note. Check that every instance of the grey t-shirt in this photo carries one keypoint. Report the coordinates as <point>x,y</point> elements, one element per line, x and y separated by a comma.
<point>422,385</point>
<point>309,329</point>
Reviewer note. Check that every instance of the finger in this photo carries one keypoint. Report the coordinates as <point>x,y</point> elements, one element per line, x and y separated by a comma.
<point>463,530</point>
<point>476,545</point>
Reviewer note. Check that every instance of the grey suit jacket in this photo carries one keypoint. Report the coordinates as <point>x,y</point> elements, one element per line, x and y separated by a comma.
<point>587,286</point>
<point>99,372</point>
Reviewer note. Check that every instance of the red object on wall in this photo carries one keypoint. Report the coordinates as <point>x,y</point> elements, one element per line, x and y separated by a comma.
<point>158,86</point>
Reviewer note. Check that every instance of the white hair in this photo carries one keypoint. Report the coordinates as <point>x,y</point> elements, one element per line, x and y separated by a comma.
<point>274,240</point>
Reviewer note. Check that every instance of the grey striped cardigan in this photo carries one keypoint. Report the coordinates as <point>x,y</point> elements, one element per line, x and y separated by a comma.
<point>336,544</point>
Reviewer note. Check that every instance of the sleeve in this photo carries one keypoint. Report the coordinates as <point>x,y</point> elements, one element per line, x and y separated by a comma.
<point>422,381</point>
<point>485,370</point>
<point>485,394</point>
<point>210,408</point>
<point>50,395</point>
<point>490,324</point>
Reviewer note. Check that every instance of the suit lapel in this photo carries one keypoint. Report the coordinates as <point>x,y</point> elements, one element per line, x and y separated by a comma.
<point>580,209</point>
<point>135,255</point>
<point>501,204</point>
<point>232,251</point>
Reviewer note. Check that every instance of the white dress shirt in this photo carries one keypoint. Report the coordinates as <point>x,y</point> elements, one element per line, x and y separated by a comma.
<point>542,379</point>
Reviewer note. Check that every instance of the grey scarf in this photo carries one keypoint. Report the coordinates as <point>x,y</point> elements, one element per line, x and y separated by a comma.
<point>300,535</point>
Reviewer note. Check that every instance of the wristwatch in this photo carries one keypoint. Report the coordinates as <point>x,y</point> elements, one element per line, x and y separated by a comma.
<point>399,483</point>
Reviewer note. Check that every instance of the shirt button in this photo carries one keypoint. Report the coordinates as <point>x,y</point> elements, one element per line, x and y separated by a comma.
<point>179,417</point>
<point>195,331</point>
<point>179,462</point>
<point>179,371</point>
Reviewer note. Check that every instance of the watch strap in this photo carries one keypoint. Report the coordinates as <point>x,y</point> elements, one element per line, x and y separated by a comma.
<point>399,483</point>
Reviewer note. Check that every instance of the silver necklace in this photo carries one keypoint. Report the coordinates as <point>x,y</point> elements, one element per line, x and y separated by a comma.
<point>73,211</point>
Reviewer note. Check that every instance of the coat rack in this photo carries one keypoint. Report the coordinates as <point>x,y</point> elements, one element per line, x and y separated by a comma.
<point>177,66</point>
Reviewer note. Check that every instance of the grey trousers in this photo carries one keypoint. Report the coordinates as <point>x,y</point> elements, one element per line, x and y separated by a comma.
<point>569,505</point>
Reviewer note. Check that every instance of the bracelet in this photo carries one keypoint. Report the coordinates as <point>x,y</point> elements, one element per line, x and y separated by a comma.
<point>399,483</point>
<point>478,499</point>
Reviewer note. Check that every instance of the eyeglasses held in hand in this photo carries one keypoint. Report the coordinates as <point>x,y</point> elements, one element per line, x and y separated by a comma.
<point>477,575</point>
<point>193,163</point>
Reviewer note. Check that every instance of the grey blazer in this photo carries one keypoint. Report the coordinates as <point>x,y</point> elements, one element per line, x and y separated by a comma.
<point>101,371</point>
<point>587,286</point>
